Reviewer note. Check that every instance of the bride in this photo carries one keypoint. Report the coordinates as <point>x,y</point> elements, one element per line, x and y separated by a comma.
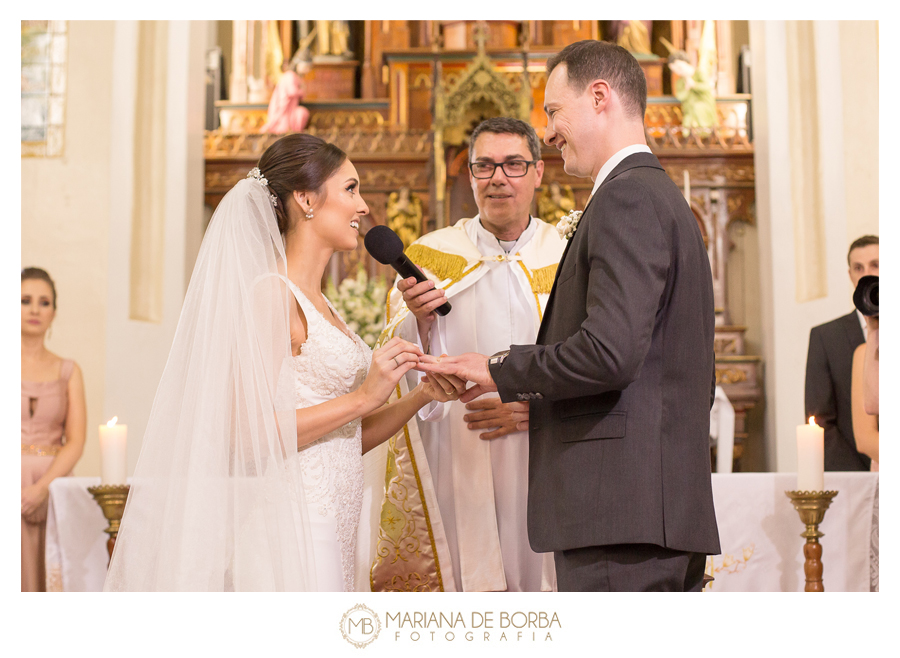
<point>250,474</point>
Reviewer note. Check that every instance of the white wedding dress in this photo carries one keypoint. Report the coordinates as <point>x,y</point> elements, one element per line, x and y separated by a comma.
<point>331,363</point>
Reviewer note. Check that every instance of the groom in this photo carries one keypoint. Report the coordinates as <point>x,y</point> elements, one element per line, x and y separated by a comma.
<point>621,377</point>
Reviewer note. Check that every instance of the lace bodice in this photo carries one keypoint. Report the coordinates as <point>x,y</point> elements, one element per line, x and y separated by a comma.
<point>332,363</point>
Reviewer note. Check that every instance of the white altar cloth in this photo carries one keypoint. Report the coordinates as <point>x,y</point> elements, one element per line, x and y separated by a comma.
<point>75,550</point>
<point>759,530</point>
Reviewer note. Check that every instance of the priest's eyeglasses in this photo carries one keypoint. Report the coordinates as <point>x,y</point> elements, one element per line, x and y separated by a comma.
<point>512,168</point>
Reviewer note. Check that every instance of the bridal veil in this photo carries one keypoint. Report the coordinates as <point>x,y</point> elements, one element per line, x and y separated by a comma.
<point>213,504</point>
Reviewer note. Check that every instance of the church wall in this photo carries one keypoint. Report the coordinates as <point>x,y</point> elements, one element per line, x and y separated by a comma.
<point>136,351</point>
<point>803,188</point>
<point>66,217</point>
<point>859,81</point>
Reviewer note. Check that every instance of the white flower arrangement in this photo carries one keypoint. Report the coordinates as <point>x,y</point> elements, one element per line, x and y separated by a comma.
<point>360,301</point>
<point>567,225</point>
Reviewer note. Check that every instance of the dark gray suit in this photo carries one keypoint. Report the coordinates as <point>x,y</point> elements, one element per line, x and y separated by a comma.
<point>829,366</point>
<point>622,376</point>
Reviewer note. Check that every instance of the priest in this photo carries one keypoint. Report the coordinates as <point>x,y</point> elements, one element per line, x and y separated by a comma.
<point>454,514</point>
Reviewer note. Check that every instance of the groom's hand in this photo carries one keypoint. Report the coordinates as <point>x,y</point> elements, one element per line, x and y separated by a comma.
<point>470,366</point>
<point>503,418</point>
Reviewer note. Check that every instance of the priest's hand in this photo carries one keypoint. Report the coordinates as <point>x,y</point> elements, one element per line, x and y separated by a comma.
<point>422,299</point>
<point>471,366</point>
<point>493,413</point>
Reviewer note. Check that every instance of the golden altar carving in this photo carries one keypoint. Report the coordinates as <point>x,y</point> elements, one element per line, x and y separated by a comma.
<point>417,101</point>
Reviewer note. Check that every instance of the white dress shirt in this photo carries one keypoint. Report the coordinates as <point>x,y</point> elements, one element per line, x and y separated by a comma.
<point>617,157</point>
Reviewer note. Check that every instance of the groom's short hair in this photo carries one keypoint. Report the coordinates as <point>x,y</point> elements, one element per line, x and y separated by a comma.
<point>590,60</point>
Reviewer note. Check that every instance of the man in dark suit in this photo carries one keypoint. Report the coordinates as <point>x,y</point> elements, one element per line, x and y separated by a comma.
<point>621,379</point>
<point>829,366</point>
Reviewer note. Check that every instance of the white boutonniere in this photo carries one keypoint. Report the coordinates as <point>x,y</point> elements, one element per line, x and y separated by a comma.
<point>567,225</point>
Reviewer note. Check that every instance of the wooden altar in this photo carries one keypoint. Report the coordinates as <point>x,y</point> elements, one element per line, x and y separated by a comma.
<point>424,85</point>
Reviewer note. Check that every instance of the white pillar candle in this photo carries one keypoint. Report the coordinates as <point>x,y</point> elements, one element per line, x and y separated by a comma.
<point>810,457</point>
<point>113,456</point>
<point>687,186</point>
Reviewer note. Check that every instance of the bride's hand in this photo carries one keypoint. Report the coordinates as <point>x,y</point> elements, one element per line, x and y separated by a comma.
<point>443,388</point>
<point>389,363</point>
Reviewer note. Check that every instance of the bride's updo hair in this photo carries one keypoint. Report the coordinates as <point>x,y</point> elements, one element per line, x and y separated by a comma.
<point>40,275</point>
<point>298,162</point>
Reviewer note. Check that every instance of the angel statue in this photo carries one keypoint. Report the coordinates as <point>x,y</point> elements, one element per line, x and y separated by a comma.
<point>694,87</point>
<point>555,202</point>
<point>404,215</point>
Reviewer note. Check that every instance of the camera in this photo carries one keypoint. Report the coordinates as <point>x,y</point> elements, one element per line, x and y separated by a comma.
<point>865,297</point>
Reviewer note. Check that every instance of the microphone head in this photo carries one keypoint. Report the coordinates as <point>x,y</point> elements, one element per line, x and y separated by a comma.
<point>385,246</point>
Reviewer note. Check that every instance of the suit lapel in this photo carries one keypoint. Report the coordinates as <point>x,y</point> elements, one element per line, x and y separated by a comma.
<point>853,329</point>
<point>552,296</point>
<point>641,159</point>
<point>549,307</point>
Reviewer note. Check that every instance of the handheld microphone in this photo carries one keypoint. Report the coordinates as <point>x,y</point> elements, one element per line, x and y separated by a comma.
<point>387,248</point>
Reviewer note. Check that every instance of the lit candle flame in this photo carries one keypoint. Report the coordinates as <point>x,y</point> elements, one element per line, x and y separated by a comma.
<point>112,421</point>
<point>812,421</point>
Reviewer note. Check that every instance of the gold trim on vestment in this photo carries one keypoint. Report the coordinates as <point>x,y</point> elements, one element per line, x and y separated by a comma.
<point>440,263</point>
<point>401,562</point>
<point>41,450</point>
<point>412,461</point>
<point>541,282</point>
<point>542,279</point>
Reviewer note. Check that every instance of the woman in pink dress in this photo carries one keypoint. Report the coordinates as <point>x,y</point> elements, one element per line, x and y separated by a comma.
<point>53,407</point>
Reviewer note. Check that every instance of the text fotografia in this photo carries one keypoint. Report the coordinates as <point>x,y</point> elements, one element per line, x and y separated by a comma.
<point>478,626</point>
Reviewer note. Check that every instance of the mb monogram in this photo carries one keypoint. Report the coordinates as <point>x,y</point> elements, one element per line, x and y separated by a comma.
<point>360,625</point>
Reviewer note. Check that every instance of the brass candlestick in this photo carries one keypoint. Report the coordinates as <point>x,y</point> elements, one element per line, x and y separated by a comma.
<point>111,498</point>
<point>811,506</point>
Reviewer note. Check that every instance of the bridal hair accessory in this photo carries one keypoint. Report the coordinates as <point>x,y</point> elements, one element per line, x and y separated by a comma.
<point>567,225</point>
<point>256,175</point>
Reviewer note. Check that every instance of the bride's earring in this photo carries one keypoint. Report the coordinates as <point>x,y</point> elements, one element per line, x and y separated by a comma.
<point>309,214</point>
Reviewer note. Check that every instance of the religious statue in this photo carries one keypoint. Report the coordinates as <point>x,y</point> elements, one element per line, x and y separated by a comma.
<point>694,90</point>
<point>257,89</point>
<point>332,40</point>
<point>404,215</point>
<point>285,114</point>
<point>555,202</point>
<point>633,36</point>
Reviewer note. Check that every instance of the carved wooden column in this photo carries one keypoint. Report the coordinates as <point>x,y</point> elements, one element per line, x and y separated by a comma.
<point>693,32</point>
<point>678,34</point>
<point>725,77</point>
<point>252,55</point>
<point>285,33</point>
<point>368,75</point>
<point>237,91</point>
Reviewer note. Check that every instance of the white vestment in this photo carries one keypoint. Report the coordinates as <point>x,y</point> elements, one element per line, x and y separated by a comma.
<point>482,485</point>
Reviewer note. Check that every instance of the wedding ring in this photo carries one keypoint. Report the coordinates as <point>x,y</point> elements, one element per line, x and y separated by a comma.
<point>396,361</point>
